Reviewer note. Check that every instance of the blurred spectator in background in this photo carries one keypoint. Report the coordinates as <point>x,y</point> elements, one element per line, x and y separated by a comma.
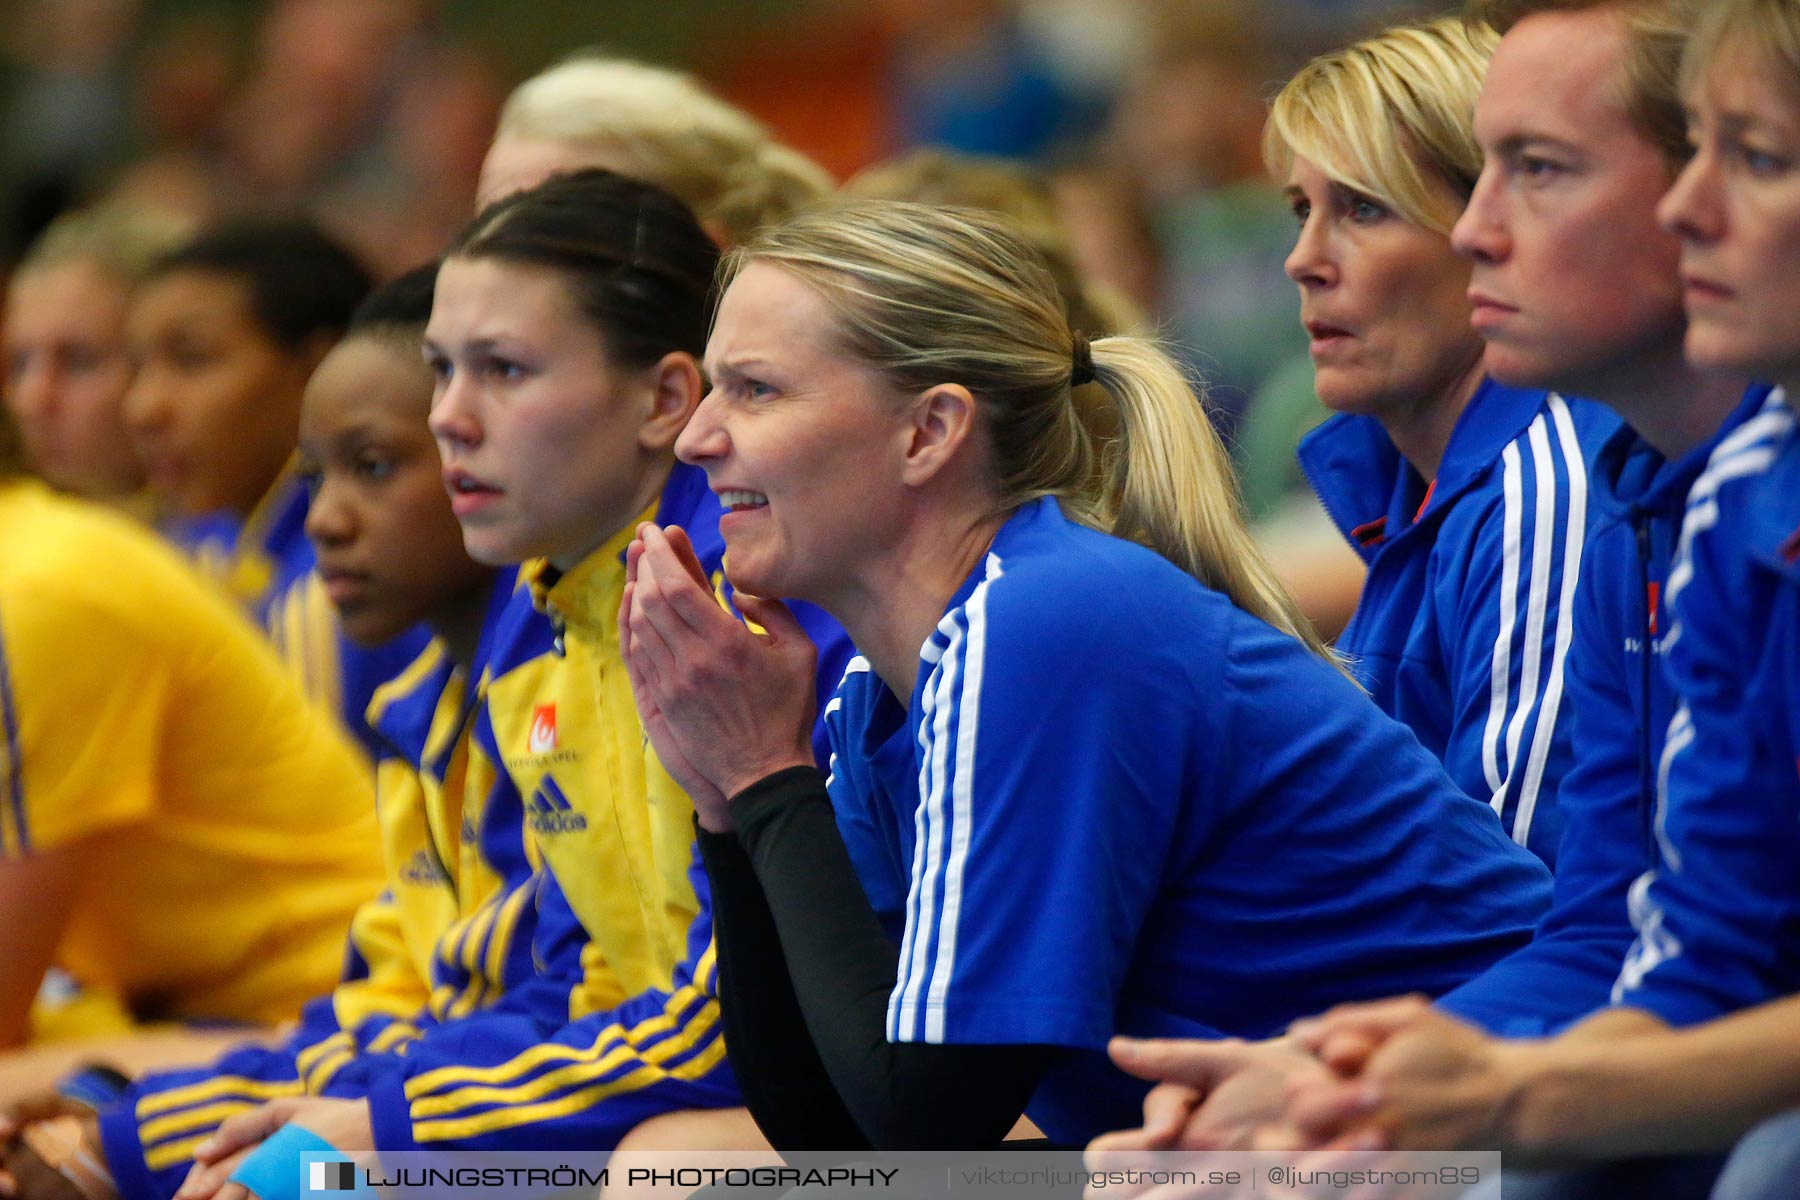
<point>1189,129</point>
<point>655,125</point>
<point>968,75</point>
<point>182,86</point>
<point>67,366</point>
<point>66,117</point>
<point>360,113</point>
<point>850,84</point>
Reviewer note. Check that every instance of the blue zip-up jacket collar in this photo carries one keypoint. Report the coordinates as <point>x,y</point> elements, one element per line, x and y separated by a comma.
<point>1632,479</point>
<point>1350,461</point>
<point>402,717</point>
<point>1636,487</point>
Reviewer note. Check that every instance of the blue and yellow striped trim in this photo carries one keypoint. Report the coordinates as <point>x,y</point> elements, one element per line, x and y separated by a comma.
<point>682,1041</point>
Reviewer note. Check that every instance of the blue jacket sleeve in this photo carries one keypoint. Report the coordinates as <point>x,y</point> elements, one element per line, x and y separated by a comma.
<point>1567,969</point>
<point>1507,614</point>
<point>1000,895</point>
<point>524,1075</point>
<point>1718,920</point>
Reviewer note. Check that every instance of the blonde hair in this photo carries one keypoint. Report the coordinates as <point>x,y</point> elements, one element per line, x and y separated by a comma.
<point>1771,26</point>
<point>943,178</point>
<point>1391,116</point>
<point>126,243</point>
<point>928,296</point>
<point>663,127</point>
<point>1656,31</point>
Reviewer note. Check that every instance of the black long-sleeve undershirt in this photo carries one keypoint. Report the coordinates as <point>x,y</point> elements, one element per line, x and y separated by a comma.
<point>805,970</point>
<point>772,1054</point>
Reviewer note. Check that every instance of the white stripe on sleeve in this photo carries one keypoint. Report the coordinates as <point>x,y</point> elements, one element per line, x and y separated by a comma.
<point>1537,598</point>
<point>1655,945</point>
<point>1501,679</point>
<point>928,836</point>
<point>962,803</point>
<point>1574,537</point>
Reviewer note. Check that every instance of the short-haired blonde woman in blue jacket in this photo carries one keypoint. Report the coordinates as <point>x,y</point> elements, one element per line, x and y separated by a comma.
<point>1467,498</point>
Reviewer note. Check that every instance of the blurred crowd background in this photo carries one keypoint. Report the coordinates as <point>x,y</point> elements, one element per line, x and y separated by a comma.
<point>372,116</point>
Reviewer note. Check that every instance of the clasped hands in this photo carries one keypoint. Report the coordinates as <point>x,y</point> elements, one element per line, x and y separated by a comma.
<point>723,707</point>
<point>1390,1075</point>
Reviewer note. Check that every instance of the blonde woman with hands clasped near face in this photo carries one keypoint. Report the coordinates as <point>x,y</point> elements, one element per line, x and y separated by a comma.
<point>1029,839</point>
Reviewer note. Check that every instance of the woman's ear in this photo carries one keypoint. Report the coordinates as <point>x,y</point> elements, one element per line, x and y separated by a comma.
<point>943,421</point>
<point>675,390</point>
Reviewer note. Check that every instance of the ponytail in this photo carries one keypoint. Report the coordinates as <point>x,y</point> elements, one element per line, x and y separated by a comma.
<point>1168,484</point>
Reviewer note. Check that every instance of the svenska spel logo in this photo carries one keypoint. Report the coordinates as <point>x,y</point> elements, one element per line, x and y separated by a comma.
<point>332,1176</point>
<point>543,729</point>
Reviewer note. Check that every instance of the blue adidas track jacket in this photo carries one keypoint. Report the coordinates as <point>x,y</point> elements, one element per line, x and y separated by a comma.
<point>1718,919</point>
<point>1621,703</point>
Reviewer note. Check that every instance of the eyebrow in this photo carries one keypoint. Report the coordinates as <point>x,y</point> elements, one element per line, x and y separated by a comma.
<point>736,366</point>
<point>480,345</point>
<point>1737,123</point>
<point>1337,190</point>
<point>369,433</point>
<point>323,445</point>
<point>1517,142</point>
<point>1732,123</point>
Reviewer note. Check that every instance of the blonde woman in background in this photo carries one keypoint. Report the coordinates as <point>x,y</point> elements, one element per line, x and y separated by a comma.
<point>653,124</point>
<point>67,365</point>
